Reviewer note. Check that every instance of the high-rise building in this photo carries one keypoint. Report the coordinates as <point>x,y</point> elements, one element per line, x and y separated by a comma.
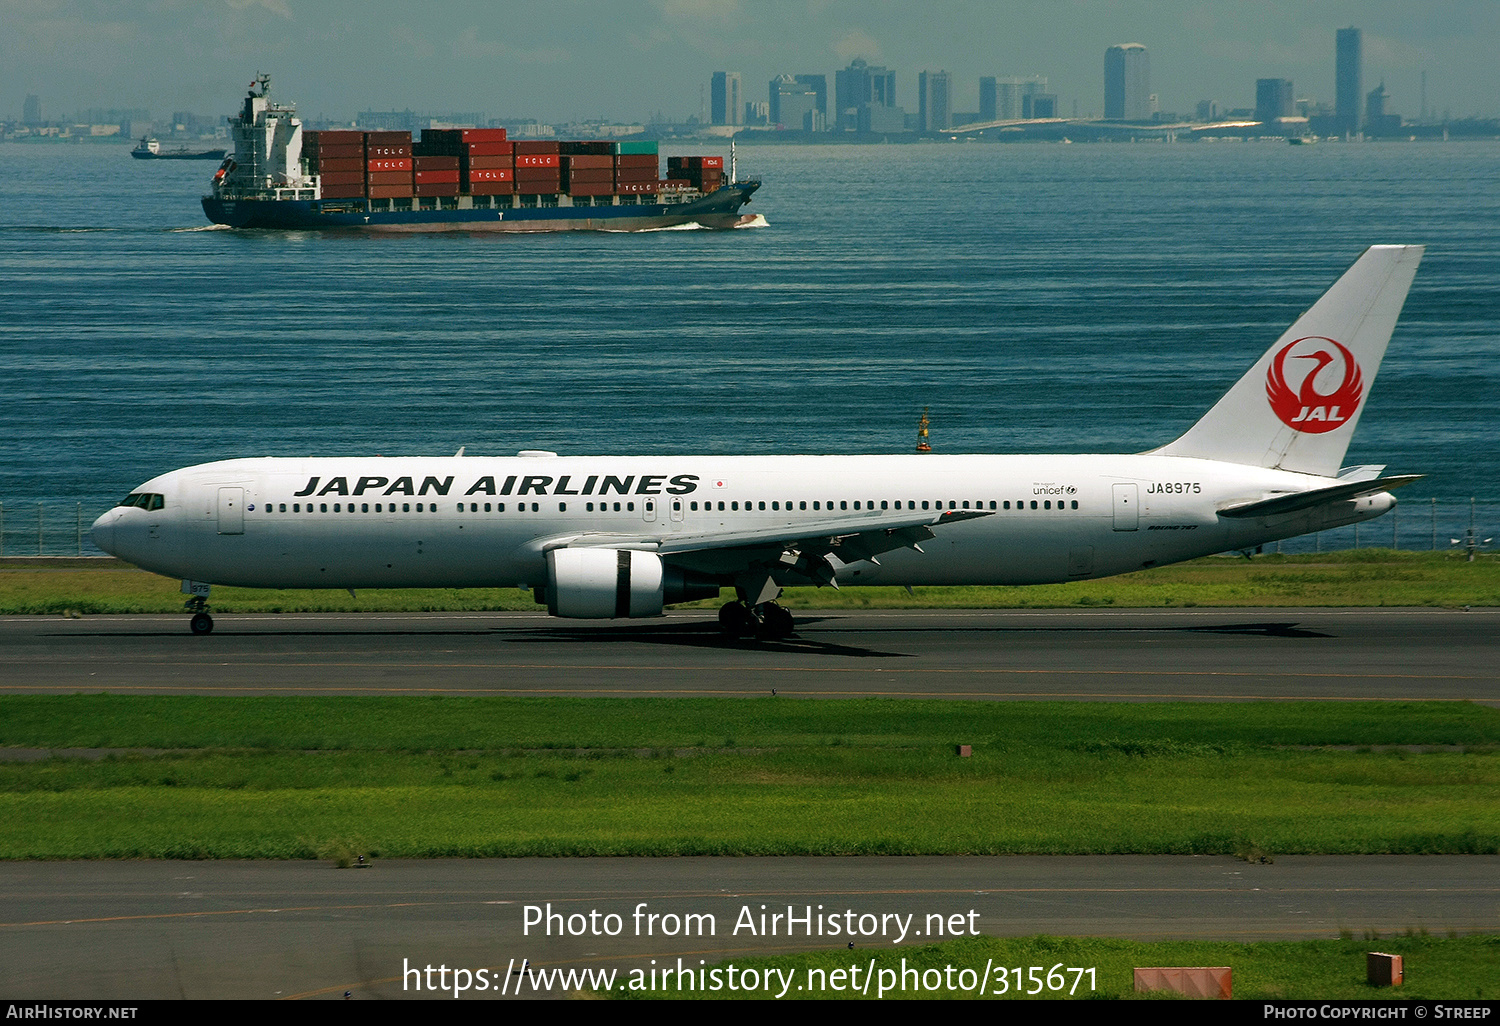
<point>31,110</point>
<point>987,98</point>
<point>857,85</point>
<point>1039,105</point>
<point>791,99</point>
<point>724,104</point>
<point>934,101</point>
<point>1274,99</point>
<point>1011,93</point>
<point>819,85</point>
<point>1348,80</point>
<point>1127,83</point>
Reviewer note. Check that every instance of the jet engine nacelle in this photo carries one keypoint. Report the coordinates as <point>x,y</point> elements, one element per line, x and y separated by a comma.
<point>593,584</point>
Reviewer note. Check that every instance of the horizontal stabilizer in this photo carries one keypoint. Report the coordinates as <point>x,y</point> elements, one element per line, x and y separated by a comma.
<point>1298,501</point>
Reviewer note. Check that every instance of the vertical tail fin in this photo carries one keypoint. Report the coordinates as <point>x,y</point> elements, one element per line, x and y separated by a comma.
<point>1297,408</point>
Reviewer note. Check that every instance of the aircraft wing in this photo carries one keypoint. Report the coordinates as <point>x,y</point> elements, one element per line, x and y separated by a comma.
<point>1297,501</point>
<point>791,553</point>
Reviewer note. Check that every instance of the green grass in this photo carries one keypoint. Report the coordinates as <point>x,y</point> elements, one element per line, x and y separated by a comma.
<point>420,777</point>
<point>1446,968</point>
<point>1361,577</point>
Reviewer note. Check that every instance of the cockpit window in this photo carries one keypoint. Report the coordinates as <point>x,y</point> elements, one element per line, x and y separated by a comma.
<point>145,500</point>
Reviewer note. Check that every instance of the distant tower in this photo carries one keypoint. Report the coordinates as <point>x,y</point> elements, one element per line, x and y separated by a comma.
<point>1274,99</point>
<point>987,98</point>
<point>935,101</point>
<point>724,105</point>
<point>1348,73</point>
<point>31,111</point>
<point>1127,83</point>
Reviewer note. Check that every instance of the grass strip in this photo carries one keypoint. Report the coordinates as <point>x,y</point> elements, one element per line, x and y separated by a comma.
<point>1359,577</point>
<point>1437,968</point>
<point>434,777</point>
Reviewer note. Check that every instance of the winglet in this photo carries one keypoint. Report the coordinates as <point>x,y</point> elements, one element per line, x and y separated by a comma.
<point>1297,408</point>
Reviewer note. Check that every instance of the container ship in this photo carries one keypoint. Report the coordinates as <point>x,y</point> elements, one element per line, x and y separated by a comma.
<point>459,179</point>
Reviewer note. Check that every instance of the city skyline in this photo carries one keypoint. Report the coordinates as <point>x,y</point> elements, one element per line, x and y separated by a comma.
<point>644,57</point>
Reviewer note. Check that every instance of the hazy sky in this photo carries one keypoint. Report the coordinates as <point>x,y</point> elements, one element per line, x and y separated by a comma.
<point>560,60</point>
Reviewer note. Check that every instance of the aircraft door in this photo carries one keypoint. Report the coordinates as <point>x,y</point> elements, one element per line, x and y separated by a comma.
<point>1127,511</point>
<point>648,510</point>
<point>231,511</point>
<point>676,509</point>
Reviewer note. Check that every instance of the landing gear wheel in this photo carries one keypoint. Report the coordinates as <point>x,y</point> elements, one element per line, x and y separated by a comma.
<point>736,621</point>
<point>201,623</point>
<point>776,622</point>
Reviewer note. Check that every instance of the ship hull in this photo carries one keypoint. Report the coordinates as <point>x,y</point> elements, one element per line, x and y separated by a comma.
<point>720,209</point>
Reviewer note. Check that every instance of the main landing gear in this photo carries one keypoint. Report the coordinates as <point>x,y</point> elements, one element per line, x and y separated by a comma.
<point>201,623</point>
<point>767,620</point>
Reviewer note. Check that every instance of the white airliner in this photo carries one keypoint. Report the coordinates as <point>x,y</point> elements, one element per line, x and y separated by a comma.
<point>613,536</point>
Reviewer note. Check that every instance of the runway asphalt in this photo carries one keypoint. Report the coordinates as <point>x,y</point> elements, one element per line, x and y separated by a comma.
<point>275,929</point>
<point>1128,654</point>
<point>138,930</point>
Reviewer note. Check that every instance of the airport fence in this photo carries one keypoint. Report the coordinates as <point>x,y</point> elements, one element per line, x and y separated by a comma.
<point>61,528</point>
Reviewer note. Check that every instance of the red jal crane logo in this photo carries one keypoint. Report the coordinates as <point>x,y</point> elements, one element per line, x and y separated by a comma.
<point>1307,409</point>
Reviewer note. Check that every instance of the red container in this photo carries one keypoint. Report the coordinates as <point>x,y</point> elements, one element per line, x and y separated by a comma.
<point>637,160</point>
<point>491,188</point>
<point>590,188</point>
<point>343,191</point>
<point>389,164</point>
<point>482,135</point>
<point>390,191</point>
<point>588,160</point>
<point>590,175</point>
<point>375,152</point>
<point>387,139</point>
<point>535,146</point>
<point>499,174</point>
<point>337,178</point>
<point>675,183</point>
<point>538,160</point>
<point>328,165</point>
<point>339,137</point>
<point>637,188</point>
<point>340,151</point>
<point>490,149</point>
<point>635,174</point>
<point>434,163</point>
<point>393,177</point>
<point>488,162</point>
<point>433,177</point>
<point>436,189</point>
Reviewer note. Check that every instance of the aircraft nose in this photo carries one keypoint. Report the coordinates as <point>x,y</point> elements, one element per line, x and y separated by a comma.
<point>103,531</point>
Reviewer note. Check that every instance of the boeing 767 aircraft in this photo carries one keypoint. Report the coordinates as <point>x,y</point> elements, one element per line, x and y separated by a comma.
<point>624,536</point>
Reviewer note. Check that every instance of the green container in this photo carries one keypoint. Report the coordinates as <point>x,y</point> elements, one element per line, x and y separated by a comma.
<point>636,147</point>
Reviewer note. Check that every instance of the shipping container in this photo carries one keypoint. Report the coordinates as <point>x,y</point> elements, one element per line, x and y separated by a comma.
<point>582,146</point>
<point>538,160</point>
<point>377,152</point>
<point>499,174</point>
<point>426,163</point>
<point>588,160</point>
<point>602,174</point>
<point>338,178</point>
<point>486,162</point>
<point>343,191</point>
<point>637,160</point>
<point>635,174</point>
<point>436,189</point>
<point>390,191</point>
<point>492,188</point>
<point>431,177</point>
<point>390,177</point>
<point>536,146</point>
<point>387,139</point>
<point>490,149</point>
<point>482,135</point>
<point>637,188</point>
<point>635,148</point>
<point>331,164</point>
<point>340,151</point>
<point>389,164</point>
<point>339,137</point>
<point>590,188</point>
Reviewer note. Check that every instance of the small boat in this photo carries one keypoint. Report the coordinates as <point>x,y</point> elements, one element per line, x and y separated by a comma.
<point>149,149</point>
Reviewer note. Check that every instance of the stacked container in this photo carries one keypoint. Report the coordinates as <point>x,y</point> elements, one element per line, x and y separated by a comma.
<point>588,168</point>
<point>538,167</point>
<point>388,165</point>
<point>706,174</point>
<point>482,161</point>
<point>339,158</point>
<point>636,169</point>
